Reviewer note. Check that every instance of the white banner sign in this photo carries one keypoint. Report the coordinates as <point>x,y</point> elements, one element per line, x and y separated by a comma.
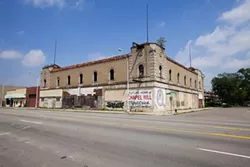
<point>140,98</point>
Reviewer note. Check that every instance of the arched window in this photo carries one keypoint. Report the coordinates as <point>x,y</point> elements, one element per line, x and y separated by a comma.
<point>58,81</point>
<point>160,71</point>
<point>112,75</point>
<point>44,83</point>
<point>190,82</point>
<point>95,76</point>
<point>195,84</point>
<point>178,78</point>
<point>69,79</point>
<point>185,80</point>
<point>170,75</point>
<point>141,70</point>
<point>199,84</point>
<point>81,79</point>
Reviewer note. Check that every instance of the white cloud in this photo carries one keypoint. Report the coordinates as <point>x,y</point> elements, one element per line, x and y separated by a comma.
<point>20,33</point>
<point>95,56</point>
<point>162,24</point>
<point>10,54</point>
<point>47,3</point>
<point>79,4</point>
<point>223,48</point>
<point>237,15</point>
<point>33,58</point>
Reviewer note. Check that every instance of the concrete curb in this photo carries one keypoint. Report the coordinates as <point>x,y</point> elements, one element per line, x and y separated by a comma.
<point>114,112</point>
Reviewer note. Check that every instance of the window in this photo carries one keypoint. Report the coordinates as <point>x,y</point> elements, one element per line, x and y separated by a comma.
<point>199,84</point>
<point>44,83</point>
<point>185,80</point>
<point>160,71</point>
<point>190,82</point>
<point>69,80</point>
<point>141,70</point>
<point>95,76</point>
<point>112,75</point>
<point>42,99</point>
<point>178,78</point>
<point>195,84</point>
<point>81,79</point>
<point>58,81</point>
<point>170,75</point>
<point>58,98</point>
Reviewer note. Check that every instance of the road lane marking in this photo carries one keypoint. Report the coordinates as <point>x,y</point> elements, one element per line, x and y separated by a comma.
<point>155,128</point>
<point>4,133</point>
<point>149,121</point>
<point>225,153</point>
<point>33,122</point>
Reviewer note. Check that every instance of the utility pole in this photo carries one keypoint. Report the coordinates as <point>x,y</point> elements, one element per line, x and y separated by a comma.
<point>147,20</point>
<point>2,95</point>
<point>190,56</point>
<point>55,52</point>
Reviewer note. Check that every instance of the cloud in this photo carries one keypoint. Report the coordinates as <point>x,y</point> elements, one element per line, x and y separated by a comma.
<point>20,33</point>
<point>10,54</point>
<point>95,56</point>
<point>237,15</point>
<point>33,58</point>
<point>79,4</point>
<point>47,3</point>
<point>162,24</point>
<point>227,47</point>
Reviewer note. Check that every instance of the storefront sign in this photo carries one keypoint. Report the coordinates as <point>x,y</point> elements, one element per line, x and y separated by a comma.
<point>140,98</point>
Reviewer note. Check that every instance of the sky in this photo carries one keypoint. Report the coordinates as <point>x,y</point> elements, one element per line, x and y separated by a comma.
<point>217,31</point>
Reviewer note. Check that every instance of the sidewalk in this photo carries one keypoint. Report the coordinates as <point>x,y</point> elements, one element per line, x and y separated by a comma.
<point>115,112</point>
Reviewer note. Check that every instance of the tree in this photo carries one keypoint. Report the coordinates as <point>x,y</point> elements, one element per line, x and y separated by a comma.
<point>161,41</point>
<point>233,88</point>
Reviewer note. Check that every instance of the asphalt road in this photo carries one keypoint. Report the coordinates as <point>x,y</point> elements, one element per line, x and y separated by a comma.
<point>35,138</point>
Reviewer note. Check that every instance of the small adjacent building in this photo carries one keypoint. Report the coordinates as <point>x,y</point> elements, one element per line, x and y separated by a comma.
<point>32,96</point>
<point>16,98</point>
<point>3,92</point>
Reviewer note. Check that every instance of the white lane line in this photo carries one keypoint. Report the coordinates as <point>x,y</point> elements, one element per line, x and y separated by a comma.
<point>4,133</point>
<point>225,153</point>
<point>31,122</point>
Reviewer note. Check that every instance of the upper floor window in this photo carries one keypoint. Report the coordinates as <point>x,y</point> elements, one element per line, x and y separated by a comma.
<point>95,76</point>
<point>190,82</point>
<point>195,84</point>
<point>58,81</point>
<point>185,80</point>
<point>112,75</point>
<point>81,79</point>
<point>44,83</point>
<point>170,75</point>
<point>160,71</point>
<point>199,84</point>
<point>178,78</point>
<point>141,70</point>
<point>69,80</point>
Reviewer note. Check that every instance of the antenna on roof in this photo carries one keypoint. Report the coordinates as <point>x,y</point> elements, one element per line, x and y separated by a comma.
<point>147,20</point>
<point>55,52</point>
<point>190,56</point>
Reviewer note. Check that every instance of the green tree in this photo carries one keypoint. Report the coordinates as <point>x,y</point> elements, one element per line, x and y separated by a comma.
<point>233,88</point>
<point>161,41</point>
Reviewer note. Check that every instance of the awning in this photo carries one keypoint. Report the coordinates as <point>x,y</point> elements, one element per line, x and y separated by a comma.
<point>13,96</point>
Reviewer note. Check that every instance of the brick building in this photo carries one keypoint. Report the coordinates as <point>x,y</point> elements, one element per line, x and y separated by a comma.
<point>156,83</point>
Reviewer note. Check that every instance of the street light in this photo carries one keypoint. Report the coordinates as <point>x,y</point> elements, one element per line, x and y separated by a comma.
<point>38,79</point>
<point>128,108</point>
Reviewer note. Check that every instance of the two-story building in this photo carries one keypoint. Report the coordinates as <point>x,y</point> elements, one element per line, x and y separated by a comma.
<point>156,83</point>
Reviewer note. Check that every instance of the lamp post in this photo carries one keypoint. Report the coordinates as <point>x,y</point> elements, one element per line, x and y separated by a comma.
<point>38,79</point>
<point>128,108</point>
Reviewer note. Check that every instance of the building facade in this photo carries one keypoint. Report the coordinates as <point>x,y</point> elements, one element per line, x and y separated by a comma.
<point>32,96</point>
<point>16,98</point>
<point>156,83</point>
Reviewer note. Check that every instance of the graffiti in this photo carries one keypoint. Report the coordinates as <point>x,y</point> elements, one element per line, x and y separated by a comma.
<point>160,98</point>
<point>115,104</point>
<point>140,98</point>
